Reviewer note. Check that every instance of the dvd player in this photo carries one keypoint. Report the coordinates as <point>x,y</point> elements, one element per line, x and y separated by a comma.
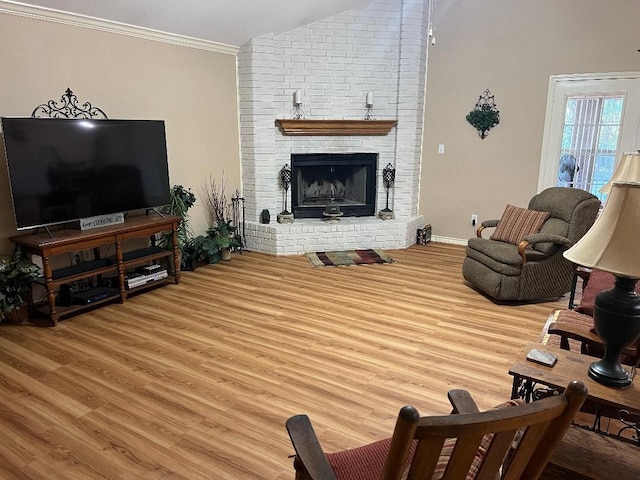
<point>94,295</point>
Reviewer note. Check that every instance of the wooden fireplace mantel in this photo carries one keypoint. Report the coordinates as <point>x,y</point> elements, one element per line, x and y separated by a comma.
<point>335,127</point>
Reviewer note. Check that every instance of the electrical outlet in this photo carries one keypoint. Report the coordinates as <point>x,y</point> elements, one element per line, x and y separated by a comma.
<point>474,219</point>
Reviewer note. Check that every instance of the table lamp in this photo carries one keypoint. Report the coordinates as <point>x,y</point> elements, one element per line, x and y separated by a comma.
<point>628,170</point>
<point>611,245</point>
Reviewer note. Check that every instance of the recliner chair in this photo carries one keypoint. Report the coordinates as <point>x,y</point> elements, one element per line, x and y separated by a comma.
<point>532,268</point>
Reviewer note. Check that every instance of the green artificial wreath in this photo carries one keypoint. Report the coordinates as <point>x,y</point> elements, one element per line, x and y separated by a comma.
<point>483,120</point>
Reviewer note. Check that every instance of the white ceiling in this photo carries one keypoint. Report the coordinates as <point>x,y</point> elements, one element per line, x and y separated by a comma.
<point>230,22</point>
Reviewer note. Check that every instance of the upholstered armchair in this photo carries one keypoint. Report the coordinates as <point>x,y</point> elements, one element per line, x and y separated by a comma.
<point>522,260</point>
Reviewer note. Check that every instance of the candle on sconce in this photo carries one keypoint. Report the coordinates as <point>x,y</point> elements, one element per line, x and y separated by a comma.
<point>369,98</point>
<point>297,97</point>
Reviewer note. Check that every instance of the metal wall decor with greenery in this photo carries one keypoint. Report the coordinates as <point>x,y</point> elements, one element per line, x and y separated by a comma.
<point>485,115</point>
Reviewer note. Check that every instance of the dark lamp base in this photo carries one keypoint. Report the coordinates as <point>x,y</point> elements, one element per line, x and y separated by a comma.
<point>616,317</point>
<point>609,375</point>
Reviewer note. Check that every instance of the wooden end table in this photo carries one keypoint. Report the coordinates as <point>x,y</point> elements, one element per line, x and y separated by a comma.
<point>584,454</point>
<point>571,366</point>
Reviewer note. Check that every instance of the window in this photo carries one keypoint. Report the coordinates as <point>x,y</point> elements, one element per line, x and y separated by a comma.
<point>590,138</point>
<point>591,121</point>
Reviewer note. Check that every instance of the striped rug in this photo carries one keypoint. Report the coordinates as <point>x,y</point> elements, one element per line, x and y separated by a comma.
<point>348,257</point>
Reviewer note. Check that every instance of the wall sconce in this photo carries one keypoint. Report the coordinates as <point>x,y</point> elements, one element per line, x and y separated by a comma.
<point>369,103</point>
<point>388,177</point>
<point>298,114</point>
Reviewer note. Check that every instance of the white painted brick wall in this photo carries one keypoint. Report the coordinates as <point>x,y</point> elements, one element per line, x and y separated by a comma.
<point>380,47</point>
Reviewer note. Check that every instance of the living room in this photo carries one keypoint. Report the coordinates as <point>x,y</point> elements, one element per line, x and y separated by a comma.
<point>510,48</point>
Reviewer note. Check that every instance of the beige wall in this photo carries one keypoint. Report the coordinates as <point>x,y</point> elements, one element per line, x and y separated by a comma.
<point>192,90</point>
<point>511,48</point>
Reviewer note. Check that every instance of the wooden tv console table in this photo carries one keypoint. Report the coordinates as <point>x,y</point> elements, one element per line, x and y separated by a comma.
<point>60,242</point>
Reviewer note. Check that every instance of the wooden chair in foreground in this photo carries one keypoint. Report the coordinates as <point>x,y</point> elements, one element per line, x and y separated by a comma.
<point>467,444</point>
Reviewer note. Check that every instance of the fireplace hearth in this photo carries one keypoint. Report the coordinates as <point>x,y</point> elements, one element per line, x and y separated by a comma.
<point>348,179</point>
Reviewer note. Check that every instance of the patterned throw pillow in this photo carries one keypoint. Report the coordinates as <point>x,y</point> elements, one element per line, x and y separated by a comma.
<point>516,223</point>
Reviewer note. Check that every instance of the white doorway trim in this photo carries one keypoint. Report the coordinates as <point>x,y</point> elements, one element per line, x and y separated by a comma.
<point>562,86</point>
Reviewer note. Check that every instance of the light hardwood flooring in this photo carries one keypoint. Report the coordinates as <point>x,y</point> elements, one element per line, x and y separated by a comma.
<point>195,381</point>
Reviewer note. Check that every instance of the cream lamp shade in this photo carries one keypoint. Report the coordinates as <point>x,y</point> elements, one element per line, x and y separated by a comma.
<point>628,171</point>
<point>612,242</point>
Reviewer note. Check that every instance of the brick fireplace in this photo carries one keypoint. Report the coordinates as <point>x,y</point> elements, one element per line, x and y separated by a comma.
<point>379,48</point>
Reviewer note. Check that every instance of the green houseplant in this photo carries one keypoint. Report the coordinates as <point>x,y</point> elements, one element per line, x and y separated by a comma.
<point>216,245</point>
<point>222,232</point>
<point>182,199</point>
<point>16,274</point>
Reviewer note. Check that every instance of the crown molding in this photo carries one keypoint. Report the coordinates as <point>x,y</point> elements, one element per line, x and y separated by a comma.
<point>76,20</point>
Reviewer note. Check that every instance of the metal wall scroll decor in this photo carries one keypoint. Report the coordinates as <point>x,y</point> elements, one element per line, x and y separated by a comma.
<point>485,115</point>
<point>68,108</point>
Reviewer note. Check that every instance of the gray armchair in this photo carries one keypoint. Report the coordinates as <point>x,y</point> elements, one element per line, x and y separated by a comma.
<point>534,268</point>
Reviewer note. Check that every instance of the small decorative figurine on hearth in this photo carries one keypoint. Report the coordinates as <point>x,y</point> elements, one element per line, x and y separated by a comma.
<point>285,216</point>
<point>389,177</point>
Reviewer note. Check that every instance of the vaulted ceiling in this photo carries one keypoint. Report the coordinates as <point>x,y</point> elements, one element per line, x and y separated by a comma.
<point>230,22</point>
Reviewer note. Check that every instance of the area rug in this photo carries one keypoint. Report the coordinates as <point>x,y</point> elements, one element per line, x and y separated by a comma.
<point>348,257</point>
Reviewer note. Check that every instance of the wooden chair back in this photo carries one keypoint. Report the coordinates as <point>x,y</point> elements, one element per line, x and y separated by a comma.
<point>483,439</point>
<point>466,444</point>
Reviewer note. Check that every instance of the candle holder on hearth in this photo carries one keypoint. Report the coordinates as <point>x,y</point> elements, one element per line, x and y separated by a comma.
<point>285,216</point>
<point>388,177</point>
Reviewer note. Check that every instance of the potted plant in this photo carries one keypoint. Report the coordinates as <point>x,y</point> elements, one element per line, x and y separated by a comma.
<point>224,235</point>
<point>16,274</point>
<point>182,199</point>
<point>216,245</point>
<point>222,230</point>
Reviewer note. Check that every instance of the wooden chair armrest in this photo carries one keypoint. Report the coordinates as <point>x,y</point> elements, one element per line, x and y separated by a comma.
<point>462,402</point>
<point>576,332</point>
<point>522,250</point>
<point>585,335</point>
<point>540,238</point>
<point>486,224</point>
<point>308,449</point>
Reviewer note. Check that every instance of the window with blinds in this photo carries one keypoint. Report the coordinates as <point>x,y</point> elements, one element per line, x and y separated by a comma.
<point>590,141</point>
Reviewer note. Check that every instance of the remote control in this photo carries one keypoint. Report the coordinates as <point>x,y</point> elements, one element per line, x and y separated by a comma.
<point>544,358</point>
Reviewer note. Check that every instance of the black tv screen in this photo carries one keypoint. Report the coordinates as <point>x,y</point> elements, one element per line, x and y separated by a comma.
<point>61,170</point>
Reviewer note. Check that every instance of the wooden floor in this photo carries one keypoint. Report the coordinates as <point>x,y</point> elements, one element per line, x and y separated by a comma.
<point>195,381</point>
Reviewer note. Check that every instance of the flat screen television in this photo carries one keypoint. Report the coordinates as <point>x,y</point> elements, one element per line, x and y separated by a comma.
<point>62,170</point>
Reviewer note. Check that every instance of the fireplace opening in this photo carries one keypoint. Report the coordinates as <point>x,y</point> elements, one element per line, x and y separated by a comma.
<point>348,179</point>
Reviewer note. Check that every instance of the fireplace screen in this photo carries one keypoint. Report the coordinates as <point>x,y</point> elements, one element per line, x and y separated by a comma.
<point>348,179</point>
